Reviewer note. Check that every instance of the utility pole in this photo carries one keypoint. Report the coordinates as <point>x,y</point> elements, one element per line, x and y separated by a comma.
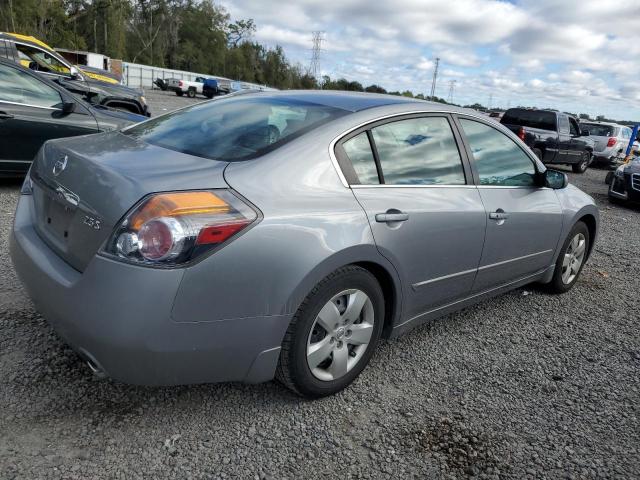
<point>490,101</point>
<point>314,68</point>
<point>435,78</point>
<point>452,86</point>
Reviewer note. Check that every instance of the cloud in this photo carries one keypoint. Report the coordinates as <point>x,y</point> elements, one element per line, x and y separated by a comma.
<point>574,54</point>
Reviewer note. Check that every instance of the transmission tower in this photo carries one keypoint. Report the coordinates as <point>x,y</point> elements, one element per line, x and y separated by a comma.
<point>452,86</point>
<point>435,78</point>
<point>314,68</point>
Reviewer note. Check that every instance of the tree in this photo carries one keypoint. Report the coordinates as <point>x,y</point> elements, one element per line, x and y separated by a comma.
<point>240,31</point>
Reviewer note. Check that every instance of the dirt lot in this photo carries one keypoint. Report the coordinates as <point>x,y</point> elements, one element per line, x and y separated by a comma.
<point>527,385</point>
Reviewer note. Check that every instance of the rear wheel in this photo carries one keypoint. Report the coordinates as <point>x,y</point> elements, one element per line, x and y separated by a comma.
<point>571,259</point>
<point>333,335</point>
<point>179,93</point>
<point>538,153</point>
<point>582,166</point>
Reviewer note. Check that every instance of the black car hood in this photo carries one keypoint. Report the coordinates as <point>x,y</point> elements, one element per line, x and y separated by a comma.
<point>633,166</point>
<point>101,89</point>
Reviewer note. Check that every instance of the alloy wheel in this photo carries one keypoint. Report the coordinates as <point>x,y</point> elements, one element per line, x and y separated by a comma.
<point>340,335</point>
<point>573,258</point>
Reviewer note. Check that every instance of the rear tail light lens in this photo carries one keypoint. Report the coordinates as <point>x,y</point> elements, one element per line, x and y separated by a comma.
<point>612,141</point>
<point>521,133</point>
<point>180,84</point>
<point>169,229</point>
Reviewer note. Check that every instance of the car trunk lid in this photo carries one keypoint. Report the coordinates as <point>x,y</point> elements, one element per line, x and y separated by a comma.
<point>82,187</point>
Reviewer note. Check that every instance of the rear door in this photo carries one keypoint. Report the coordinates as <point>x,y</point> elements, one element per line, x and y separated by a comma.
<point>578,143</point>
<point>425,213</point>
<point>523,220</point>
<point>30,114</point>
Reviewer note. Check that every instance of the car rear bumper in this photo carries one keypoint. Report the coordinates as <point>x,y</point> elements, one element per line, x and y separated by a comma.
<point>118,316</point>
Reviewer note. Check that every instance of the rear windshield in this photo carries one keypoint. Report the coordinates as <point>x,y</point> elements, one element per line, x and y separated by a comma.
<point>530,118</point>
<point>598,130</point>
<point>234,128</point>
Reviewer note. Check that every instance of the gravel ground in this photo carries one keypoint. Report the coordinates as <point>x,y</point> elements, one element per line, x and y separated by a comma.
<point>526,385</point>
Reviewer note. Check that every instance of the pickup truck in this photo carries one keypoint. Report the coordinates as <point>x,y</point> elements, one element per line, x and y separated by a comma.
<point>213,87</point>
<point>185,86</point>
<point>554,137</point>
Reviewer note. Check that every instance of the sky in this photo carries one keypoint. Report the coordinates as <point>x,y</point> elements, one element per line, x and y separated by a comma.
<point>577,56</point>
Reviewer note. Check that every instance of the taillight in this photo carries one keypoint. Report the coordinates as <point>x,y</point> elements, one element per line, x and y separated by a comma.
<point>180,84</point>
<point>521,133</point>
<point>612,141</point>
<point>168,229</point>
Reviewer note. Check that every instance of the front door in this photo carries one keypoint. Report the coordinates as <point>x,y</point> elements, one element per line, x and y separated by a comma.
<point>523,220</point>
<point>425,213</point>
<point>30,114</point>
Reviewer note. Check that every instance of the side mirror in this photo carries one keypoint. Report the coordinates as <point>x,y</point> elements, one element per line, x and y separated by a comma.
<point>68,107</point>
<point>584,133</point>
<point>74,73</point>
<point>555,179</point>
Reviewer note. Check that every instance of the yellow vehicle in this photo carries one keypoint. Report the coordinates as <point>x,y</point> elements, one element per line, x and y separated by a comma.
<point>31,50</point>
<point>97,86</point>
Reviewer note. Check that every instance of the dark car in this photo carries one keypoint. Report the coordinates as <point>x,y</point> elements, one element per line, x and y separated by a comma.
<point>34,109</point>
<point>624,182</point>
<point>554,137</point>
<point>100,89</point>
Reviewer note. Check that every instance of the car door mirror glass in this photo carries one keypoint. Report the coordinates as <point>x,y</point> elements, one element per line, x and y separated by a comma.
<point>555,179</point>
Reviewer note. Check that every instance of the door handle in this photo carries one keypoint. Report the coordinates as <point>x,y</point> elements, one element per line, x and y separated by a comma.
<point>391,217</point>
<point>5,116</point>
<point>498,215</point>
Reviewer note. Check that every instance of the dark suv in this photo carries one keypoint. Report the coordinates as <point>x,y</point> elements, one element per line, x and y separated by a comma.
<point>554,137</point>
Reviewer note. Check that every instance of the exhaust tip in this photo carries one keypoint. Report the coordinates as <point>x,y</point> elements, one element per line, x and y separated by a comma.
<point>95,369</point>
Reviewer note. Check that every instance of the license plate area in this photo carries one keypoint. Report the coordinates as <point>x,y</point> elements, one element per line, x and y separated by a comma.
<point>57,218</point>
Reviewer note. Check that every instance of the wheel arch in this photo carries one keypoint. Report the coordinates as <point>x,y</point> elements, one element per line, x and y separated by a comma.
<point>132,106</point>
<point>590,221</point>
<point>368,258</point>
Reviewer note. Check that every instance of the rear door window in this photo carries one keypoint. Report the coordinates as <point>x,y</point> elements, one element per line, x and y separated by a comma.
<point>358,150</point>
<point>563,124</point>
<point>418,151</point>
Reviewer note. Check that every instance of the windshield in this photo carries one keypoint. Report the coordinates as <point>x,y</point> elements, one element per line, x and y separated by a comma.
<point>530,118</point>
<point>596,130</point>
<point>233,129</point>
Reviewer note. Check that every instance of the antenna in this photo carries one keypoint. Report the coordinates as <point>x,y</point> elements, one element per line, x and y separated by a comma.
<point>435,78</point>
<point>314,68</point>
<point>452,86</point>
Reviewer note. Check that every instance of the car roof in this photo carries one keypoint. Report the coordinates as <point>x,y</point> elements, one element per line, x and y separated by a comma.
<point>609,124</point>
<point>24,39</point>
<point>351,101</point>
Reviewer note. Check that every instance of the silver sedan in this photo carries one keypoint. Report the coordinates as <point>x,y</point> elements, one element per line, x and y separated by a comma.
<point>283,234</point>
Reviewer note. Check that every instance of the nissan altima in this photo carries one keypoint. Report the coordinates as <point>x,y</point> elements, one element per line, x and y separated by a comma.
<point>283,234</point>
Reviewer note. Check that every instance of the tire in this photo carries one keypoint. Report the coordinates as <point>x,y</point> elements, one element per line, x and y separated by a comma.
<point>305,331</point>
<point>561,283</point>
<point>191,93</point>
<point>582,166</point>
<point>179,93</point>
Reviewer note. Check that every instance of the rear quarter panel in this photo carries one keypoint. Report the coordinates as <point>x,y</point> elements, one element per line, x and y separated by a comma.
<point>311,225</point>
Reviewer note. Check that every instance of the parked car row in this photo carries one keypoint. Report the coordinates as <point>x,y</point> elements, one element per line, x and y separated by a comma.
<point>98,87</point>
<point>209,87</point>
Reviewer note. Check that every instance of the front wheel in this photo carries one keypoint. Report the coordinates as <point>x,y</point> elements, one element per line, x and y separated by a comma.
<point>333,335</point>
<point>191,93</point>
<point>582,166</point>
<point>571,259</point>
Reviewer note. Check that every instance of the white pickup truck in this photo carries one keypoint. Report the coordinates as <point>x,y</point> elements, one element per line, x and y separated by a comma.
<point>185,86</point>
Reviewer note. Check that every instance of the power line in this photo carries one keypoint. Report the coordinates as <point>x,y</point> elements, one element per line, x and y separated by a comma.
<point>452,86</point>
<point>435,78</point>
<point>314,68</point>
